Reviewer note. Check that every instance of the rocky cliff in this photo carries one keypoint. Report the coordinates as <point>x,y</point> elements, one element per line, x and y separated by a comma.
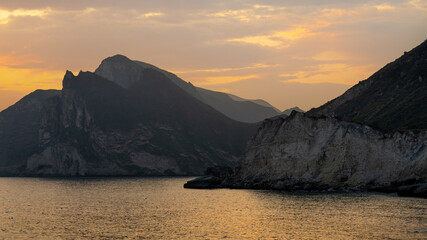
<point>19,129</point>
<point>308,153</point>
<point>311,153</point>
<point>96,127</point>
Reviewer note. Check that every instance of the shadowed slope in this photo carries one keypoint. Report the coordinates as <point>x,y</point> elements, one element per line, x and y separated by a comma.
<point>395,97</point>
<point>19,129</point>
<point>153,127</point>
<point>124,72</point>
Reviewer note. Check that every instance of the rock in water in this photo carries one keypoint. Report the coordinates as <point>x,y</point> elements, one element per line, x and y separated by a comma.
<point>214,177</point>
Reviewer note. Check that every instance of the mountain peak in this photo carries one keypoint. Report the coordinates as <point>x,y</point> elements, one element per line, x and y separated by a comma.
<point>118,58</point>
<point>126,72</point>
<point>69,74</point>
<point>120,70</point>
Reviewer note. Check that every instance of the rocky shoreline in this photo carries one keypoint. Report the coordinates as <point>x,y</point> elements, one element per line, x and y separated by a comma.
<point>412,188</point>
<point>317,154</point>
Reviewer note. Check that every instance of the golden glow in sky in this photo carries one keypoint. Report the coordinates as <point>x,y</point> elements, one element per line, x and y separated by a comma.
<point>288,52</point>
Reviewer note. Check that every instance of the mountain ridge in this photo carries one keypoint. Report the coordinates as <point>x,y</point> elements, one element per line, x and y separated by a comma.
<point>115,69</point>
<point>392,98</point>
<point>94,127</point>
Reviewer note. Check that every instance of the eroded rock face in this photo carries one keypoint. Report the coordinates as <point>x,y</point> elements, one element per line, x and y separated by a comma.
<point>301,152</point>
<point>307,153</point>
<point>19,128</point>
<point>98,128</point>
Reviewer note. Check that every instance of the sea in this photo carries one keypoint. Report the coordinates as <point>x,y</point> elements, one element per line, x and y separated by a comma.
<point>160,208</point>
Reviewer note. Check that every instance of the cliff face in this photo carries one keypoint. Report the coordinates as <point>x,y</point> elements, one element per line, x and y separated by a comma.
<point>301,152</point>
<point>19,128</point>
<point>307,153</point>
<point>392,98</point>
<point>96,127</point>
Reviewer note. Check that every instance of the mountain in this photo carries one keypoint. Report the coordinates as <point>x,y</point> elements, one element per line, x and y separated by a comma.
<point>250,111</point>
<point>395,97</point>
<point>257,101</point>
<point>151,127</point>
<point>124,72</point>
<point>289,111</point>
<point>332,147</point>
<point>127,118</point>
<point>19,130</point>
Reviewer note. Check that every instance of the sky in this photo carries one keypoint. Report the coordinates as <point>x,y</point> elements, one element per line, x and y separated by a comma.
<point>287,52</point>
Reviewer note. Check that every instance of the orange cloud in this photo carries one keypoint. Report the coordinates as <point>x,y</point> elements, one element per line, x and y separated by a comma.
<point>14,79</point>
<point>277,39</point>
<point>337,12</point>
<point>217,80</point>
<point>384,7</point>
<point>257,12</point>
<point>330,56</point>
<point>338,73</point>
<point>151,14</point>
<point>16,61</point>
<point>5,15</point>
<point>419,4</point>
<point>216,70</point>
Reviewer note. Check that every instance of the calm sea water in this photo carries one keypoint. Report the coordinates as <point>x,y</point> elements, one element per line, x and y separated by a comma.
<point>160,208</point>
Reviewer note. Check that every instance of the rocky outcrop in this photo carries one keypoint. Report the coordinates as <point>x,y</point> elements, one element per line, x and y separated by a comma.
<point>308,153</point>
<point>289,111</point>
<point>213,178</point>
<point>337,154</point>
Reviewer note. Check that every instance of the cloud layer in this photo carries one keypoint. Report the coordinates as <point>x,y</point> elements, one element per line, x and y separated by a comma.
<point>280,51</point>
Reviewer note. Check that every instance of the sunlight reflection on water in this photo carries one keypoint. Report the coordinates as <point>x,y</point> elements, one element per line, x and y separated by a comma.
<point>160,208</point>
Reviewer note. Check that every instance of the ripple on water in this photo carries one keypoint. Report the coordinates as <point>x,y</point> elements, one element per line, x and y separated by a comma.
<point>160,208</point>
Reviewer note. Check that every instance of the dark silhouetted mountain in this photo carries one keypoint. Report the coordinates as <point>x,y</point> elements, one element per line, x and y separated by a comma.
<point>395,97</point>
<point>124,72</point>
<point>19,131</point>
<point>289,111</point>
<point>151,127</point>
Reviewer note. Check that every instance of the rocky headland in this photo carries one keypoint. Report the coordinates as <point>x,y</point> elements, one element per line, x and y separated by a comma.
<point>372,138</point>
<point>307,153</point>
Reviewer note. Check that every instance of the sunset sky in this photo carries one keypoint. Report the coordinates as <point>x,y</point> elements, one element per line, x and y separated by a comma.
<point>290,53</point>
